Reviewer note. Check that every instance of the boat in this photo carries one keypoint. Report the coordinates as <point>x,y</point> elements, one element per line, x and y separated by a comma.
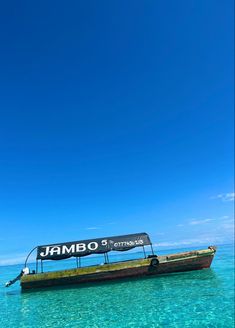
<point>148,265</point>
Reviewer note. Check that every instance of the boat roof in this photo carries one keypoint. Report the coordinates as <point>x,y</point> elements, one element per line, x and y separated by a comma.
<point>86,247</point>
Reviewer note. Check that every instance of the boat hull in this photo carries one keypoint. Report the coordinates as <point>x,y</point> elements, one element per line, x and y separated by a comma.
<point>180,262</point>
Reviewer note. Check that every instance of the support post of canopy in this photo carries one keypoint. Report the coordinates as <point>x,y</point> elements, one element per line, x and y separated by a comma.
<point>144,252</point>
<point>151,245</point>
<point>77,261</point>
<point>41,267</point>
<point>107,257</point>
<point>37,266</point>
<point>26,260</point>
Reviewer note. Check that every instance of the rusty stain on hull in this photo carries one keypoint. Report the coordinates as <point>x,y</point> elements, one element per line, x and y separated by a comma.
<point>179,262</point>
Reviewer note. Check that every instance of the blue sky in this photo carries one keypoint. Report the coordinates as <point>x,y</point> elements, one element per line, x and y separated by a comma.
<point>115,117</point>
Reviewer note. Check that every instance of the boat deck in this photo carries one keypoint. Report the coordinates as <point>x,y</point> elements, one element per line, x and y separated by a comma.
<point>185,261</point>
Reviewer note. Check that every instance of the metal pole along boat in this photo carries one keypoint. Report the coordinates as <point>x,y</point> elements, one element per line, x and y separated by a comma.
<point>149,265</point>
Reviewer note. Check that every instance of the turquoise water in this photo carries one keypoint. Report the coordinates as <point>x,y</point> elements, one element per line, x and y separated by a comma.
<point>194,299</point>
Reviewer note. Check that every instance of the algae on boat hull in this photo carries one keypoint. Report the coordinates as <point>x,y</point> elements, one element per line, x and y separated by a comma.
<point>114,266</point>
<point>86,270</point>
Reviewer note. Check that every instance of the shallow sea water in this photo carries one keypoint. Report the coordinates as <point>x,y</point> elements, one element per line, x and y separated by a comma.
<point>194,299</point>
